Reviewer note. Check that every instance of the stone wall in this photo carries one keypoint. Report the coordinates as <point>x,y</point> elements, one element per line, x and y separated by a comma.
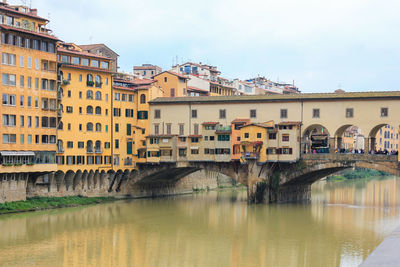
<point>12,187</point>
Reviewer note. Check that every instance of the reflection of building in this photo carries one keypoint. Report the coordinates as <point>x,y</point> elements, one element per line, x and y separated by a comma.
<point>387,138</point>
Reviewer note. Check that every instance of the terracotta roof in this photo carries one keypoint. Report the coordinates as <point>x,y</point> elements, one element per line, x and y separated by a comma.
<point>43,35</point>
<point>240,120</point>
<point>279,98</point>
<point>62,50</point>
<point>263,125</point>
<point>210,123</point>
<point>69,65</point>
<point>92,46</point>
<point>5,8</point>
<point>173,73</point>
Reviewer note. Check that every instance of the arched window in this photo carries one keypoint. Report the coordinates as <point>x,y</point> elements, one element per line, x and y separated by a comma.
<point>89,110</point>
<point>89,94</point>
<point>98,95</point>
<point>60,146</point>
<point>142,99</point>
<point>98,111</point>
<point>89,80</point>
<point>89,127</point>
<point>98,81</point>
<point>89,146</point>
<point>98,127</point>
<point>60,126</point>
<point>98,145</point>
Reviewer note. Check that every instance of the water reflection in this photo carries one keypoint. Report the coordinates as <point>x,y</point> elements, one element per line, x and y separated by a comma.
<point>343,225</point>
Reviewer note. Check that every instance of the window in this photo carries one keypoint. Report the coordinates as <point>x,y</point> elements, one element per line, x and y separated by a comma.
<point>9,79</point>
<point>272,136</point>
<point>130,98</point>
<point>349,113</point>
<point>65,59</point>
<point>9,100</point>
<point>129,113</point>
<point>116,143</point>
<point>116,127</point>
<point>169,126</point>
<point>222,113</point>
<point>142,115</point>
<point>315,113</point>
<point>196,128</point>
<point>89,110</point>
<point>98,127</point>
<point>384,112</point>
<point>29,62</point>
<point>29,101</point>
<point>29,82</point>
<point>172,92</point>
<point>157,114</point>
<point>85,62</point>
<point>21,81</point>
<point>9,120</point>
<point>181,129</point>
<point>9,138</point>
<point>285,138</point>
<point>142,99</point>
<point>98,95</point>
<point>8,59</point>
<point>117,112</point>
<point>284,113</point>
<point>104,65</point>
<point>89,127</point>
<point>165,79</point>
<point>89,94</point>
<point>246,135</point>
<point>223,137</point>
<point>98,111</point>
<point>89,80</point>
<point>98,81</point>
<point>70,144</point>
<point>69,109</point>
<point>258,135</point>
<point>156,128</point>
<point>75,61</point>
<point>94,63</point>
<point>253,113</point>
<point>194,113</point>
<point>117,96</point>
<point>128,129</point>
<point>36,83</point>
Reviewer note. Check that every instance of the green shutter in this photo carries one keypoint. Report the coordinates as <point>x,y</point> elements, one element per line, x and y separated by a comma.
<point>128,129</point>
<point>129,148</point>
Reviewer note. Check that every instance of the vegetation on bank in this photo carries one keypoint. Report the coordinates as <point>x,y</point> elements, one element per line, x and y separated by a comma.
<point>357,173</point>
<point>41,203</point>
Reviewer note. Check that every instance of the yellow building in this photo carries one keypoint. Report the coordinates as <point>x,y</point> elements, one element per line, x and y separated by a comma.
<point>84,133</point>
<point>172,84</point>
<point>29,93</point>
<point>387,138</point>
<point>131,118</point>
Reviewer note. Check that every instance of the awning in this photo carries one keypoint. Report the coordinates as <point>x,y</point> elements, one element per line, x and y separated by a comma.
<point>17,153</point>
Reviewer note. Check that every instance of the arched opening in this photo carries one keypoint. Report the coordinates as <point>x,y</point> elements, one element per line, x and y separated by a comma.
<point>98,95</point>
<point>89,146</point>
<point>98,127</point>
<point>98,146</point>
<point>384,139</point>
<point>89,127</point>
<point>60,146</point>
<point>349,139</point>
<point>98,111</point>
<point>89,80</point>
<point>98,81</point>
<point>89,94</point>
<point>89,110</point>
<point>316,139</point>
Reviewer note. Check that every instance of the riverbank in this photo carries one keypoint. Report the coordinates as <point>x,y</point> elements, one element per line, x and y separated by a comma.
<point>44,203</point>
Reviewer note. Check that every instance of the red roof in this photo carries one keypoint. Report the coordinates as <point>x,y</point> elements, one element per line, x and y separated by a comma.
<point>5,8</point>
<point>210,123</point>
<point>43,35</point>
<point>59,49</point>
<point>240,120</point>
<point>68,65</point>
<point>173,73</point>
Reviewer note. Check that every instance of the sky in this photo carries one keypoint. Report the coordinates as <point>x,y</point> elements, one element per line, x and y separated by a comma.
<point>320,45</point>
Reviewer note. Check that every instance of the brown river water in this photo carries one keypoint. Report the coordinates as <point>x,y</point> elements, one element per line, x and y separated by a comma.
<point>343,224</point>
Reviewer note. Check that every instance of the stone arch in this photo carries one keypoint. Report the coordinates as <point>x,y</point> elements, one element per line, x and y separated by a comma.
<point>103,176</point>
<point>84,180</point>
<point>96,179</point>
<point>69,179</point>
<point>90,179</point>
<point>59,178</point>
<point>342,141</point>
<point>306,138</point>
<point>77,180</point>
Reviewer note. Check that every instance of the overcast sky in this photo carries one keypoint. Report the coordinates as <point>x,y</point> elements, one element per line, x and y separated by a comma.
<point>321,45</point>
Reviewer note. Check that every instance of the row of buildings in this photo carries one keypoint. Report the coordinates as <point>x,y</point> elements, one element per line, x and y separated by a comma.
<point>65,107</point>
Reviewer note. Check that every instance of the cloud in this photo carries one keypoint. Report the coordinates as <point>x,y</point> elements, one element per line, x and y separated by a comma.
<point>319,44</point>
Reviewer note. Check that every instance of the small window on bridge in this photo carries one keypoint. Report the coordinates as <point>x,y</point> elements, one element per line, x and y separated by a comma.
<point>315,113</point>
<point>384,112</point>
<point>349,113</point>
<point>284,113</point>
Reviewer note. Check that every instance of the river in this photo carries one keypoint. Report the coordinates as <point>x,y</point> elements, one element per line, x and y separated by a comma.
<point>345,221</point>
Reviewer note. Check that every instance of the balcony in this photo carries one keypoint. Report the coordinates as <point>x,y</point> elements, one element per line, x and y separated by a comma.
<point>251,155</point>
<point>225,129</point>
